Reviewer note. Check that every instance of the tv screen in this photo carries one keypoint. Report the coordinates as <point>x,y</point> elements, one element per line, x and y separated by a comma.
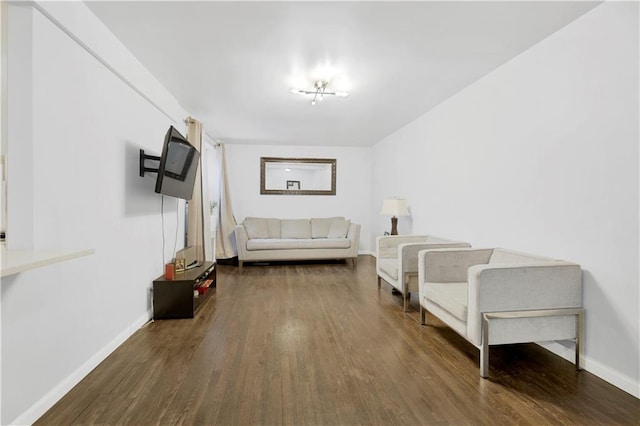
<point>178,166</point>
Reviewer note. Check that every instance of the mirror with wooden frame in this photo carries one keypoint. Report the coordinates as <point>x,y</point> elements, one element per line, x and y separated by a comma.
<point>297,176</point>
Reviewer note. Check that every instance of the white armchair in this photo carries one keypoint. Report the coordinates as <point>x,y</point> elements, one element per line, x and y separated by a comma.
<point>497,296</point>
<point>397,260</point>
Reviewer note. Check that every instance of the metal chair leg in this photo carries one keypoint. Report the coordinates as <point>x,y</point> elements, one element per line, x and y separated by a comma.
<point>484,350</point>
<point>579,331</point>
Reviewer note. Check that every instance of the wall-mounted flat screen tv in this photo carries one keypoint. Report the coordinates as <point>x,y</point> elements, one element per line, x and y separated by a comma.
<point>178,166</point>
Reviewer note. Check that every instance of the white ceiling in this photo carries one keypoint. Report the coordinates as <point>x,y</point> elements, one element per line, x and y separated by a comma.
<point>231,64</point>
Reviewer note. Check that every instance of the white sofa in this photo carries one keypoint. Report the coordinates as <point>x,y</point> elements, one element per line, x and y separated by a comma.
<point>269,239</point>
<point>397,260</point>
<point>498,296</point>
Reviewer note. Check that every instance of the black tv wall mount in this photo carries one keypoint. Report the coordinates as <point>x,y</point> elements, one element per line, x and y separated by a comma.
<point>143,158</point>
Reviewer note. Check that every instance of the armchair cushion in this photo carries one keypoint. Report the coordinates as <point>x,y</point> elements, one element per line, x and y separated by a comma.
<point>451,297</point>
<point>389,266</point>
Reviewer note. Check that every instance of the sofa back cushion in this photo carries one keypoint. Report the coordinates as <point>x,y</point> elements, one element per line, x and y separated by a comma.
<point>295,228</point>
<point>273,226</point>
<point>338,228</point>
<point>508,256</point>
<point>256,227</point>
<point>320,226</point>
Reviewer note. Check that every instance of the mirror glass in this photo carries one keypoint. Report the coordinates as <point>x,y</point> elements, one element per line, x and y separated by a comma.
<point>297,176</point>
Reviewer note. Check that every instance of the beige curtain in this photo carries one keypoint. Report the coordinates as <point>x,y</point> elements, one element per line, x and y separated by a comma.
<point>225,238</point>
<point>195,216</point>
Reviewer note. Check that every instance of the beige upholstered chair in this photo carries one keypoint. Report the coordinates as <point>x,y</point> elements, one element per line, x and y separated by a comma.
<point>497,296</point>
<point>397,260</point>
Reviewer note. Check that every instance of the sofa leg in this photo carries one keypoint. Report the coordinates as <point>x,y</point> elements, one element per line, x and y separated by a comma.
<point>423,317</point>
<point>354,262</point>
<point>240,262</point>
<point>484,349</point>
<point>379,281</point>
<point>406,297</point>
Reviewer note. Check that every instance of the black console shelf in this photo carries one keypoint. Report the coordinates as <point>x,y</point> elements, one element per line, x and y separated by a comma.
<point>185,294</point>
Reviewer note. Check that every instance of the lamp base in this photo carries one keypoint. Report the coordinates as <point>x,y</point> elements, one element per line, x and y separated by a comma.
<point>394,225</point>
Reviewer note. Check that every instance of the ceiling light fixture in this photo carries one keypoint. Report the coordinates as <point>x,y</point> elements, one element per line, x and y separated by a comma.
<point>319,92</point>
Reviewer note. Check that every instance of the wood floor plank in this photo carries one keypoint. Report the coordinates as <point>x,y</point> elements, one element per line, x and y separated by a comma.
<point>320,344</point>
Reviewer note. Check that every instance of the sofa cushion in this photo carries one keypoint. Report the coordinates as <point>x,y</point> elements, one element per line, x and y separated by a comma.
<point>452,297</point>
<point>295,228</point>
<point>320,226</point>
<point>256,227</point>
<point>389,267</point>
<point>338,228</point>
<point>273,226</point>
<point>298,243</point>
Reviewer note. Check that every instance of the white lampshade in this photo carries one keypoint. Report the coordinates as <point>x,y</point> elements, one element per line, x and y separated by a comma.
<point>395,207</point>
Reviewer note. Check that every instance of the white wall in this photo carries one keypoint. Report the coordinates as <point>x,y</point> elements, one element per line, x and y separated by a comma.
<point>3,147</point>
<point>541,156</point>
<point>86,123</point>
<point>353,185</point>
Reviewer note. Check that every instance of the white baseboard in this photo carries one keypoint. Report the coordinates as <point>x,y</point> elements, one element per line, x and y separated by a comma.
<point>367,252</point>
<point>596,368</point>
<point>36,411</point>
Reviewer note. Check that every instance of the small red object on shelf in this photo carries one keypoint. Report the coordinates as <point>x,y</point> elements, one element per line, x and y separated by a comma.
<point>169,271</point>
<point>202,288</point>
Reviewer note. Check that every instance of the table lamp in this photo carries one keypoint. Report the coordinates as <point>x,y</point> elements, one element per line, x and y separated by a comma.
<point>395,207</point>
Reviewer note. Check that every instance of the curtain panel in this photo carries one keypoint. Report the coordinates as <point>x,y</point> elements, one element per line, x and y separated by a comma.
<point>225,237</point>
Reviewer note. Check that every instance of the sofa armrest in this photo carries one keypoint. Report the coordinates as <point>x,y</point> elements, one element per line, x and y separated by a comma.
<point>521,287</point>
<point>241,241</point>
<point>353,234</point>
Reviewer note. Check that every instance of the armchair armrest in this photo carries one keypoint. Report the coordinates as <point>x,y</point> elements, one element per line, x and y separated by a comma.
<point>387,246</point>
<point>408,253</point>
<point>525,286</point>
<point>449,264</point>
<point>521,287</point>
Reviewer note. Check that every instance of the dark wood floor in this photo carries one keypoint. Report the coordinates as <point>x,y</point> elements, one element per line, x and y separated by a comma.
<point>320,344</point>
